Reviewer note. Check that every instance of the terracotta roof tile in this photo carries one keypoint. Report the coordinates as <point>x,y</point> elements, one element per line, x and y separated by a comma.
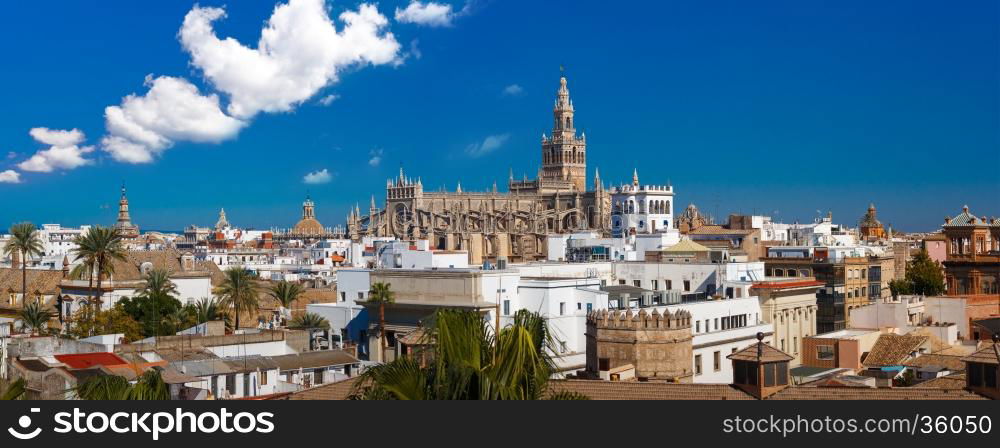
<point>632,390</point>
<point>892,350</point>
<point>340,390</point>
<point>761,352</point>
<point>950,362</point>
<point>44,281</point>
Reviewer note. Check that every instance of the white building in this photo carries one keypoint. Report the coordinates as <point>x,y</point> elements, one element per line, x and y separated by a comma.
<point>638,209</point>
<point>564,303</point>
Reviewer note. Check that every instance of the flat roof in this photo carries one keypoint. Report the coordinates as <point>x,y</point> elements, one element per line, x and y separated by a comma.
<point>846,333</point>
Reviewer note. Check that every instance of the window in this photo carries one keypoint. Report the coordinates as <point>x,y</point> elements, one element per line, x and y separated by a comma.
<point>506,307</point>
<point>656,284</point>
<point>562,308</point>
<point>795,345</point>
<point>716,324</point>
<point>621,282</point>
<point>263,378</point>
<point>361,295</point>
<point>637,283</point>
<point>717,361</point>
<point>697,364</point>
<point>317,376</point>
<point>697,326</point>
<point>782,344</point>
<point>590,307</point>
<point>669,284</point>
<point>231,384</point>
<point>824,352</point>
<point>579,306</point>
<point>687,285</point>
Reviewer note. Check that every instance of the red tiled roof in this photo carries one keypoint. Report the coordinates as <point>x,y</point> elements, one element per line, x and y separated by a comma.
<point>88,360</point>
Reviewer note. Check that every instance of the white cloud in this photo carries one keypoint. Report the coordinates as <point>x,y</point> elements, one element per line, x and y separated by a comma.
<point>172,109</point>
<point>300,52</point>
<point>488,145</point>
<point>64,151</point>
<point>429,14</point>
<point>375,157</point>
<point>513,90</point>
<point>318,177</point>
<point>326,100</point>
<point>10,177</point>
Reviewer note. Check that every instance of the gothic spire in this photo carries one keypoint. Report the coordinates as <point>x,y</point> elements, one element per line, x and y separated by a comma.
<point>635,177</point>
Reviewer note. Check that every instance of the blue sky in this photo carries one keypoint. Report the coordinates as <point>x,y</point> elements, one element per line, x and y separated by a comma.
<point>745,107</point>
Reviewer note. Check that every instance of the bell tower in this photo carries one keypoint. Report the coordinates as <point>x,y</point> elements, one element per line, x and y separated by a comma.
<point>564,155</point>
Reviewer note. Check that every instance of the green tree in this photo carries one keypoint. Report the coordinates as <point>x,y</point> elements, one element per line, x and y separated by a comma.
<point>924,275</point>
<point>149,386</point>
<point>11,390</point>
<point>35,317</point>
<point>286,293</point>
<point>156,305</point>
<point>27,242</point>
<point>899,287</point>
<point>238,292</point>
<point>469,363</point>
<point>310,321</point>
<point>113,321</point>
<point>381,294</point>
<point>99,248</point>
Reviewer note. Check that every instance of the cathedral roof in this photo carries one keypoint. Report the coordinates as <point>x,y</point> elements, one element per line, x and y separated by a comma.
<point>308,226</point>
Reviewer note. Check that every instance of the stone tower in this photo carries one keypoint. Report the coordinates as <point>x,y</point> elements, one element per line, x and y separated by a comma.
<point>564,155</point>
<point>658,345</point>
<point>124,223</point>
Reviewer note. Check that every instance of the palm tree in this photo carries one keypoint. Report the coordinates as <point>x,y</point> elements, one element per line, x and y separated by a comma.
<point>286,293</point>
<point>26,241</point>
<point>310,321</point>
<point>381,294</point>
<point>239,292</point>
<point>469,362</point>
<point>99,248</point>
<point>157,292</point>
<point>149,386</point>
<point>35,317</point>
<point>11,390</point>
<point>208,309</point>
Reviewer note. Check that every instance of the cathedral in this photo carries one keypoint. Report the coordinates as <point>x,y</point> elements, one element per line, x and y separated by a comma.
<point>493,224</point>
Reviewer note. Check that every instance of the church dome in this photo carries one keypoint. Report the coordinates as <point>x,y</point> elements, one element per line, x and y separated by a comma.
<point>308,226</point>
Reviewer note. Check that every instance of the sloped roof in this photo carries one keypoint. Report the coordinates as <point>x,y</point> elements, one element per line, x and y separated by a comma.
<point>892,350</point>
<point>986,355</point>
<point>44,281</point>
<point>950,362</point>
<point>320,358</point>
<point>761,352</point>
<point>340,390</point>
<point>953,381</point>
<point>686,245</point>
<point>633,390</point>
<point>966,219</point>
<point>130,269</point>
